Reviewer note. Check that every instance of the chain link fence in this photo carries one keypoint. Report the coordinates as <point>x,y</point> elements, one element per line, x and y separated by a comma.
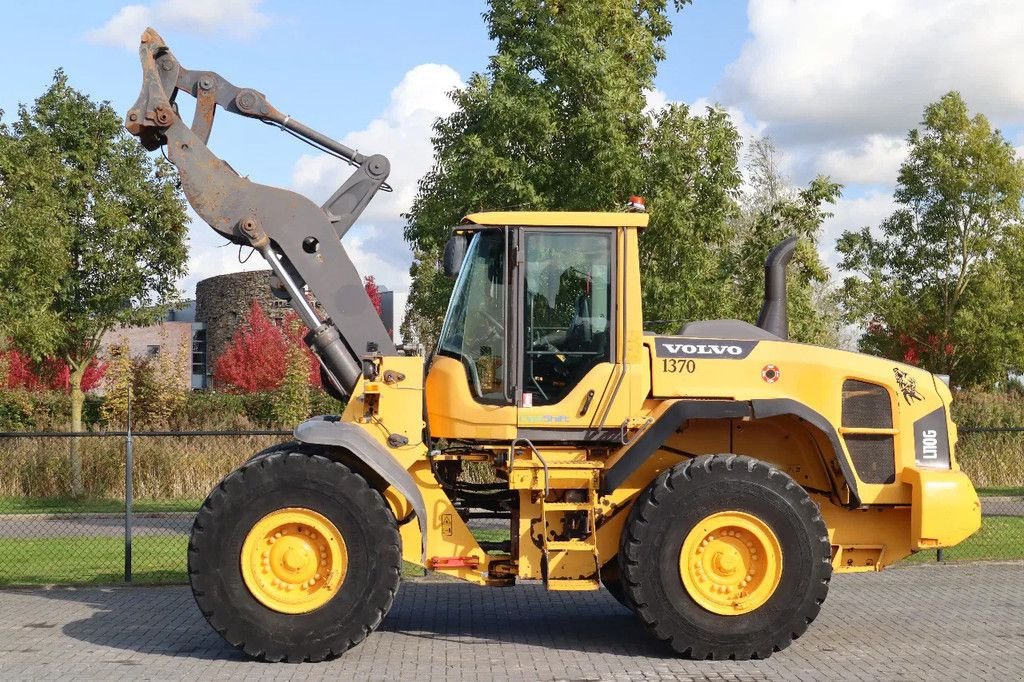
<point>994,460</point>
<point>112,506</point>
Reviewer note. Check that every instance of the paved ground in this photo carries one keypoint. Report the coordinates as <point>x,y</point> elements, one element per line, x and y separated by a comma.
<point>1002,506</point>
<point>926,622</point>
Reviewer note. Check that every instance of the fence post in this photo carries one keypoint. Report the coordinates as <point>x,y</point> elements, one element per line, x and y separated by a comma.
<point>938,555</point>
<point>128,495</point>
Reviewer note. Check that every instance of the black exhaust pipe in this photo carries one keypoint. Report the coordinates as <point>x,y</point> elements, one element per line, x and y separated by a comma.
<point>773,312</point>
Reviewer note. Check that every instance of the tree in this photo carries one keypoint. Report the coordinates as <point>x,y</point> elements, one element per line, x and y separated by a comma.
<point>33,237</point>
<point>291,402</point>
<point>556,122</point>
<point>938,284</point>
<point>691,181</point>
<point>370,284</point>
<point>119,223</point>
<point>48,374</point>
<point>155,386</point>
<point>161,383</point>
<point>256,360</point>
<point>772,210</point>
<point>120,382</point>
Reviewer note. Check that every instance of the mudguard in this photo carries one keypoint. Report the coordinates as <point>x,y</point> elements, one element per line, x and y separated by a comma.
<point>682,411</point>
<point>349,437</point>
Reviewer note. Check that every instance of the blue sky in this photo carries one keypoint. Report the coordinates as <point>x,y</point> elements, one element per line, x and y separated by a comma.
<point>835,84</point>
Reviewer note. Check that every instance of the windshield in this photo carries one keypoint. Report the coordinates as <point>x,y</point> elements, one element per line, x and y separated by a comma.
<point>474,331</point>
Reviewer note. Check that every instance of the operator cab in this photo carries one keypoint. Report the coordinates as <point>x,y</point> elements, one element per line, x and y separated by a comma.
<point>530,337</point>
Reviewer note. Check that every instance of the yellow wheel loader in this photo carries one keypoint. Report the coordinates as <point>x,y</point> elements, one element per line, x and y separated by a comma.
<point>712,480</point>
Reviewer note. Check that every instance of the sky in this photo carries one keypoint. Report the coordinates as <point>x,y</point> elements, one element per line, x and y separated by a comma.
<point>835,84</point>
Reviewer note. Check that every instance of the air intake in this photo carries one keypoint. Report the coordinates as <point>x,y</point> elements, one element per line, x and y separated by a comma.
<point>773,312</point>
<point>867,407</point>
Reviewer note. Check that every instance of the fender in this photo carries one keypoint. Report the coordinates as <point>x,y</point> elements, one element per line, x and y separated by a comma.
<point>682,411</point>
<point>329,431</point>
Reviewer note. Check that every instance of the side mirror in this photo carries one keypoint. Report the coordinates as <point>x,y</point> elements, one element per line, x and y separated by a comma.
<point>455,253</point>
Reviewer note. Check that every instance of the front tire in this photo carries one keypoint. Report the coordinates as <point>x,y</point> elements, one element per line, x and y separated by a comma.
<point>725,557</point>
<point>329,582</point>
<point>612,581</point>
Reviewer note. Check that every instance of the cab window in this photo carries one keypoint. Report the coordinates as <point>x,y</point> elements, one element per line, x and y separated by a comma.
<point>474,331</point>
<point>567,310</point>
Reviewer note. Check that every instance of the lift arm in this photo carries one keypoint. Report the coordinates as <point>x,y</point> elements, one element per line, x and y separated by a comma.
<point>299,240</point>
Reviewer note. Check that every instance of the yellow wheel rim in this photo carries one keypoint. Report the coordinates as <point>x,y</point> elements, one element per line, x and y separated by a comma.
<point>731,563</point>
<point>294,560</point>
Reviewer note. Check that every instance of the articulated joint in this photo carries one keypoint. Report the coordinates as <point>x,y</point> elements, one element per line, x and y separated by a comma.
<point>252,230</point>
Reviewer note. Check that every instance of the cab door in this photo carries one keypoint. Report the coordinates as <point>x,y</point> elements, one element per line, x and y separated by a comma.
<point>567,327</point>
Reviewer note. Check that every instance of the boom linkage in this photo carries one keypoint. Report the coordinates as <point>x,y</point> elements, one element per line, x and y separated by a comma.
<point>299,240</point>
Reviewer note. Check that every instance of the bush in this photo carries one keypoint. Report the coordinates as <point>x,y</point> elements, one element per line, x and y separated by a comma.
<point>16,410</point>
<point>25,410</point>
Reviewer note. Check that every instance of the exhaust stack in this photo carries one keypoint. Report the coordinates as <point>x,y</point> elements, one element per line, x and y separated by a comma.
<point>773,317</point>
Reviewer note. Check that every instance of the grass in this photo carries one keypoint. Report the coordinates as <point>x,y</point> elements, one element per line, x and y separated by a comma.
<point>1000,537</point>
<point>1011,491</point>
<point>94,560</point>
<point>70,505</point>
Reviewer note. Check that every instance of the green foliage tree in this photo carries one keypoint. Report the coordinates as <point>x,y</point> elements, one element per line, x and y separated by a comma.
<point>772,210</point>
<point>556,122</point>
<point>119,383</point>
<point>938,284</point>
<point>161,384</point>
<point>291,402</point>
<point>692,178</point>
<point>119,225</point>
<point>33,257</point>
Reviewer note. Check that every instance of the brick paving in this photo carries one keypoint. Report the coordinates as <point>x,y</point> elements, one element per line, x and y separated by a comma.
<point>958,621</point>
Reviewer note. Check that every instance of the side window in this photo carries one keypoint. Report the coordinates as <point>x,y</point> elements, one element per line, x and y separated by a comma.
<point>568,311</point>
<point>474,331</point>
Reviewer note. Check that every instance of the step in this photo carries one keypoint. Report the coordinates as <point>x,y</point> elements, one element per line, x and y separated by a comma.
<point>570,546</point>
<point>568,506</point>
<point>573,584</point>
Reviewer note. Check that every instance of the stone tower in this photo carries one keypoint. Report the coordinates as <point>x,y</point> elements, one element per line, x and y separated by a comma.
<point>222,303</point>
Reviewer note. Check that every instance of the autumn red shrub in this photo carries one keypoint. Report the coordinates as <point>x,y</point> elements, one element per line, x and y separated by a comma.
<point>49,374</point>
<point>257,357</point>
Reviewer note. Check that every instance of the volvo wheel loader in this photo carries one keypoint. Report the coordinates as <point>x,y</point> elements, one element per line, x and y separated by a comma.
<point>712,480</point>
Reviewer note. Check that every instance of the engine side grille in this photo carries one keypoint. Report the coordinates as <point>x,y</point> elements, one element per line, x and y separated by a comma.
<point>873,456</point>
<point>866,406</point>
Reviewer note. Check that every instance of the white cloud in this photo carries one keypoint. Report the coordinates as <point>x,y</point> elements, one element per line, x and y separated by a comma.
<point>656,100</point>
<point>873,159</point>
<point>401,132</point>
<point>825,70</point>
<point>363,245</point>
<point>237,18</point>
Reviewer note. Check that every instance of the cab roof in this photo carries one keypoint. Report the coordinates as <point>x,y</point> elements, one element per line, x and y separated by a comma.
<point>557,219</point>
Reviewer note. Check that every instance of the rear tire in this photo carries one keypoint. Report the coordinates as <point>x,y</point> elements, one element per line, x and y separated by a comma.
<point>678,506</point>
<point>267,485</point>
